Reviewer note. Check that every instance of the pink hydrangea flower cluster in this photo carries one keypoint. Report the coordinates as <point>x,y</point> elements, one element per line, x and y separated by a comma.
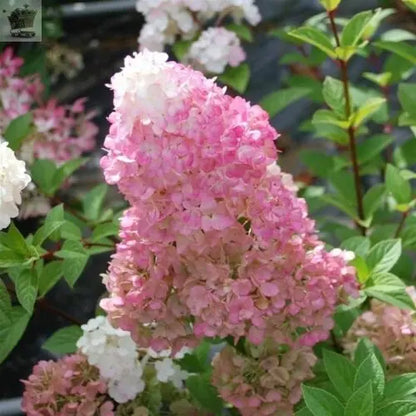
<point>215,243</point>
<point>68,387</point>
<point>17,94</point>
<point>266,382</point>
<point>392,330</point>
<point>60,132</point>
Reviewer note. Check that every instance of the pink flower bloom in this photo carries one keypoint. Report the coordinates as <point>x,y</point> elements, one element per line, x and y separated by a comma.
<point>215,243</point>
<point>392,329</point>
<point>17,94</point>
<point>60,132</point>
<point>266,383</point>
<point>67,387</point>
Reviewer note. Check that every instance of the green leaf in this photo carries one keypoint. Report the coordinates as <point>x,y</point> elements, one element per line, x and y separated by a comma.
<point>344,53</point>
<point>345,316</point>
<point>204,393</point>
<point>236,77</point>
<point>70,231</point>
<point>372,147</point>
<point>46,230</point>
<point>104,230</point>
<point>9,258</point>
<point>93,201</point>
<point>398,408</point>
<point>342,204</point>
<point>341,372</point>
<point>329,117</point>
<point>198,360</point>
<point>316,38</point>
<point>331,132</point>
<point>382,79</point>
<point>64,340</point>
<point>5,305</point>
<point>27,288</point>
<point>373,199</point>
<point>356,28</point>
<point>343,182</point>
<point>411,4</point>
<point>406,93</point>
<point>43,172</point>
<point>405,155</point>
<point>320,164</point>
<point>371,106</point>
<point>75,259</point>
<point>321,403</point>
<point>15,241</point>
<point>51,273</point>
<point>391,289</point>
<point>387,281</point>
<point>304,412</point>
<point>276,101</point>
<point>330,5</point>
<point>11,333</point>
<point>364,348</point>
<point>408,236</point>
<point>333,92</point>
<point>242,31</point>
<point>73,268</point>
<point>371,370</point>
<point>394,296</point>
<point>401,49</point>
<point>71,250</point>
<point>361,402</point>
<point>18,130</point>
<point>397,185</point>
<point>303,81</point>
<point>181,48</point>
<point>400,387</point>
<point>56,213</point>
<point>397,35</point>
<point>384,255</point>
<point>103,246</point>
<point>65,171</point>
<point>359,245</point>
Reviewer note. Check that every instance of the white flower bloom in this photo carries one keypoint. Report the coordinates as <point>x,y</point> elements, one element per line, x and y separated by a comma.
<point>167,370</point>
<point>179,376</point>
<point>126,387</point>
<point>242,9</point>
<point>214,50</point>
<point>13,179</point>
<point>168,20</point>
<point>167,353</point>
<point>164,369</point>
<point>114,353</point>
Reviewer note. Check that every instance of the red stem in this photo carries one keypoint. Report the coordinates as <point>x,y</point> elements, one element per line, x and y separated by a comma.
<point>351,129</point>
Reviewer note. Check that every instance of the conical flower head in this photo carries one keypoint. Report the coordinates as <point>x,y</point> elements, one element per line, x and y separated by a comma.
<point>216,242</point>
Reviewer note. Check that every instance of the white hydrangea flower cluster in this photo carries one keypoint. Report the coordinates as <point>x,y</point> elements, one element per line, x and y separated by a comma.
<point>13,179</point>
<point>171,20</point>
<point>214,50</point>
<point>115,354</point>
<point>166,369</point>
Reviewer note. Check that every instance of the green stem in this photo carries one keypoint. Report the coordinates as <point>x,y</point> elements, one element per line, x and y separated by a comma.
<point>351,129</point>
